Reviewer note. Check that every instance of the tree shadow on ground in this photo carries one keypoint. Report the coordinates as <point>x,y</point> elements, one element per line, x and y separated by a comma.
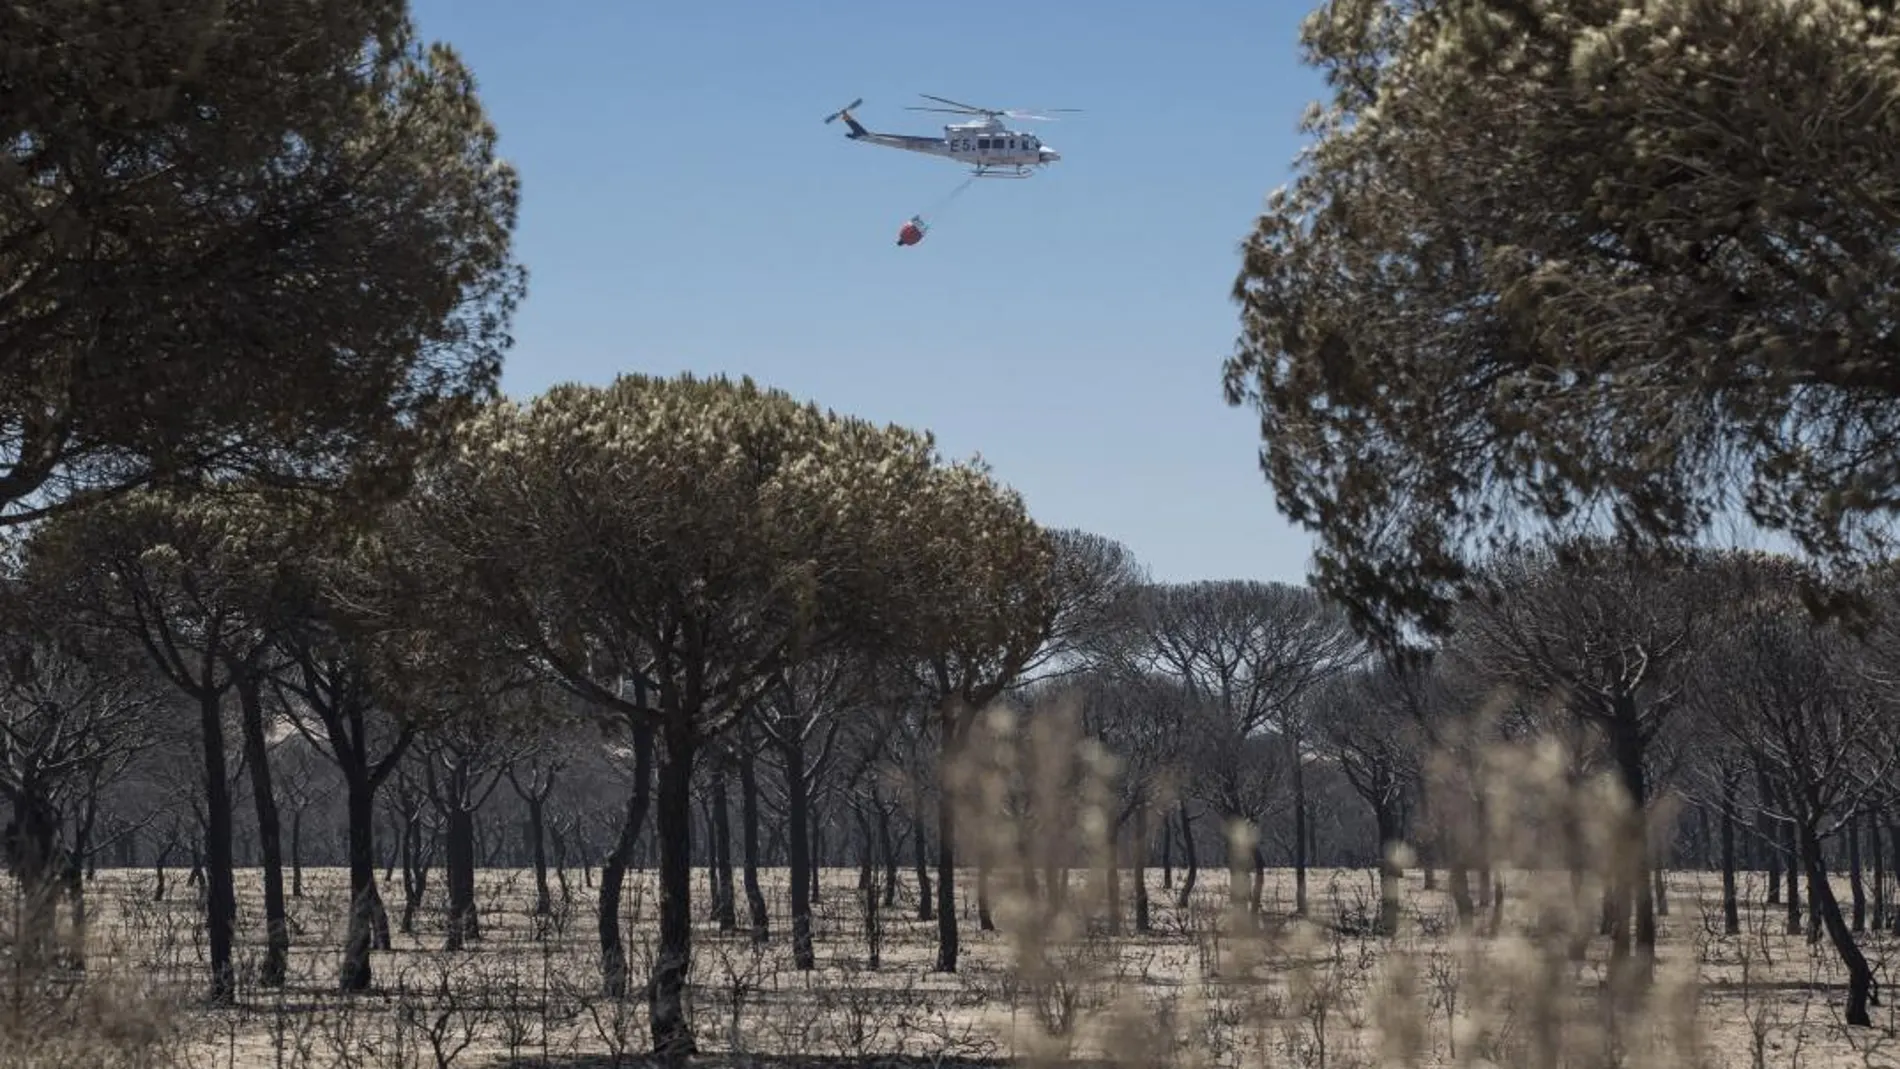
<point>753,1061</point>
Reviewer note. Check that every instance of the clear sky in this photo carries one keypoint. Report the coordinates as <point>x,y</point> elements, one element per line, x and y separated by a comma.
<point>685,209</point>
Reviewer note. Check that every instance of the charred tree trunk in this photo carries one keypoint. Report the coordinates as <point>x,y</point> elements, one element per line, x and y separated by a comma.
<point>869,895</point>
<point>558,840</point>
<point>1765,835</point>
<point>984,921</point>
<point>220,881</point>
<point>1731,903</point>
<point>459,871</point>
<point>1144,922</point>
<point>165,852</point>
<point>538,850</point>
<point>296,852</point>
<point>798,838</point>
<point>415,870</point>
<point>725,910</point>
<point>613,871</point>
<point>1301,833</point>
<point>1633,890</point>
<point>1167,855</point>
<point>1858,888</point>
<point>360,800</point>
<point>672,1032</point>
<point>749,845</point>
<point>1792,881</point>
<point>269,840</point>
<point>948,945</point>
<point>1860,977</point>
<point>1391,876</point>
<point>816,822</point>
<point>32,848</point>
<point>1188,859</point>
<point>1458,885</point>
<point>1879,860</point>
<point>920,849</point>
<point>887,849</point>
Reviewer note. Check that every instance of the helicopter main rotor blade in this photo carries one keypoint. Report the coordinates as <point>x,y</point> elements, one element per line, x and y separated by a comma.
<point>945,111</point>
<point>955,104</point>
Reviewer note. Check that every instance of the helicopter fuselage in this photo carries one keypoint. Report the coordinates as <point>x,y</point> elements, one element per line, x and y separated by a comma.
<point>989,147</point>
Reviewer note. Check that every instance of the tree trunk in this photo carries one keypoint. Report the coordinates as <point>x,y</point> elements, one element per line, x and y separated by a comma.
<point>920,849</point>
<point>1627,744</point>
<point>1860,978</point>
<point>1731,904</point>
<point>749,845</point>
<point>613,871</point>
<point>32,847</point>
<point>269,839</point>
<point>164,853</point>
<point>1458,885</point>
<point>1144,923</point>
<point>725,909</point>
<point>1880,872</point>
<point>78,859</point>
<point>1167,855</point>
<point>984,921</point>
<point>1391,876</point>
<point>947,942</point>
<point>816,822</point>
<point>672,1033</point>
<point>354,974</point>
<point>868,894</point>
<point>296,852</point>
<point>1300,841</point>
<point>558,840</point>
<point>220,881</point>
<point>1188,859</point>
<point>1765,835</point>
<point>1792,881</point>
<point>415,871</point>
<point>798,837</point>
<point>459,873</point>
<point>1854,883</point>
<point>887,849</point>
<point>538,850</point>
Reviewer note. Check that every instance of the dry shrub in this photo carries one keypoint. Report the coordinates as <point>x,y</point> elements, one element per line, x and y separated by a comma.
<point>57,1012</point>
<point>1515,984</point>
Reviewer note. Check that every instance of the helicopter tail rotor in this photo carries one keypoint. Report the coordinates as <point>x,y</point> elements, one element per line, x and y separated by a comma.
<point>857,128</point>
<point>842,112</point>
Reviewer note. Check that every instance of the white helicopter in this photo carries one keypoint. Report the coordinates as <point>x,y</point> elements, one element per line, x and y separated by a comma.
<point>991,148</point>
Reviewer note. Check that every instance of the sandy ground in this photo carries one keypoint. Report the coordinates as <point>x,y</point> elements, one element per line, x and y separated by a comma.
<point>1193,991</point>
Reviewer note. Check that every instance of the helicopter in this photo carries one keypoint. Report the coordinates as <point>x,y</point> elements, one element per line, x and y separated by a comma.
<point>991,148</point>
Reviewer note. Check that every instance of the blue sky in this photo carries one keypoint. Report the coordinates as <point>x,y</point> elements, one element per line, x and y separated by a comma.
<point>685,209</point>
